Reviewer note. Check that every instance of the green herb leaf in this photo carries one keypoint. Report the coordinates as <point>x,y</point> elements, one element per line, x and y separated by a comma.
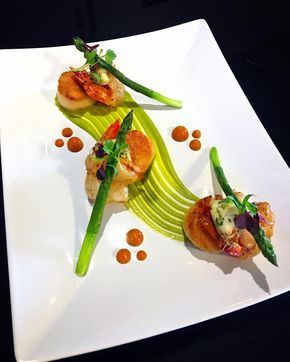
<point>229,199</point>
<point>248,205</point>
<point>95,77</point>
<point>114,168</point>
<point>108,146</point>
<point>110,56</point>
<point>91,56</point>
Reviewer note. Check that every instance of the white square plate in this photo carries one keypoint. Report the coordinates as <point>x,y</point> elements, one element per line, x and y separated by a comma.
<point>55,313</point>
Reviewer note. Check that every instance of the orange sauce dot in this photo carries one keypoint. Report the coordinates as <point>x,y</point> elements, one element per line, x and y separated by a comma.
<point>67,132</point>
<point>123,256</point>
<point>59,143</point>
<point>196,133</point>
<point>75,144</point>
<point>141,255</point>
<point>180,134</point>
<point>195,145</point>
<point>134,237</point>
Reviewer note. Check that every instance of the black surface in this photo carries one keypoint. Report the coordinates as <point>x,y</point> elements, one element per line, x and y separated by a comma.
<point>254,37</point>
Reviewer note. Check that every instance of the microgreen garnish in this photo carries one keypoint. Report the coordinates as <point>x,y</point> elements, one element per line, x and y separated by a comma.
<point>100,152</point>
<point>96,77</point>
<point>247,221</point>
<point>248,206</point>
<point>108,146</point>
<point>110,56</point>
<point>109,150</point>
<point>229,199</point>
<point>101,173</point>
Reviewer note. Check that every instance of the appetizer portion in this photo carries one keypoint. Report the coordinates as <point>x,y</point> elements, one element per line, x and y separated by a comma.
<point>230,224</point>
<point>78,90</point>
<point>120,153</point>
<point>98,80</point>
<point>133,162</point>
<point>210,224</point>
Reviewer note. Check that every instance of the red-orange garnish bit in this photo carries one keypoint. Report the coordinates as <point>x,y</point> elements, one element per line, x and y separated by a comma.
<point>180,134</point>
<point>134,237</point>
<point>195,145</point>
<point>196,133</point>
<point>75,144</point>
<point>123,256</point>
<point>59,143</point>
<point>67,132</point>
<point>141,255</point>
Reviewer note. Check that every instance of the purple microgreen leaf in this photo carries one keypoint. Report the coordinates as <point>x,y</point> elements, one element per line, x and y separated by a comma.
<point>101,174</point>
<point>247,221</point>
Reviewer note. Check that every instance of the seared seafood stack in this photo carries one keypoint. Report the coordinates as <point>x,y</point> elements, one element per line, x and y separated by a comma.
<point>210,224</point>
<point>133,162</point>
<point>230,224</point>
<point>99,81</point>
<point>78,89</point>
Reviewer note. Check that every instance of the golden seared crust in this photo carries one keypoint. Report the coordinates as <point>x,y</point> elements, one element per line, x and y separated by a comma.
<point>70,88</point>
<point>200,229</point>
<point>70,95</point>
<point>141,150</point>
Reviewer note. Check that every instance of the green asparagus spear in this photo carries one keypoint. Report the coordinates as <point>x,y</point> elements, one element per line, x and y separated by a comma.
<point>262,241</point>
<point>93,228</point>
<point>93,58</point>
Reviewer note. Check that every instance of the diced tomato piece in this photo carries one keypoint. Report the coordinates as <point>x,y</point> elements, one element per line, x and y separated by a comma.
<point>112,131</point>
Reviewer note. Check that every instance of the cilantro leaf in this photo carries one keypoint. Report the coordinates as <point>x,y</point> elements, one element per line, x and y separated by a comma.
<point>110,56</point>
<point>95,77</point>
<point>91,56</point>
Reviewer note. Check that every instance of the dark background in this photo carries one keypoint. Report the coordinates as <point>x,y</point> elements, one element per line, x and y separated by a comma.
<point>254,37</point>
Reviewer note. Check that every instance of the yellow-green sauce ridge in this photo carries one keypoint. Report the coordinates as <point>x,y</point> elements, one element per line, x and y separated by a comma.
<point>161,199</point>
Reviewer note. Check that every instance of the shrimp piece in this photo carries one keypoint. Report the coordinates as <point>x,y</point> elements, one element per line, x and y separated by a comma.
<point>70,94</point>
<point>111,94</point>
<point>131,166</point>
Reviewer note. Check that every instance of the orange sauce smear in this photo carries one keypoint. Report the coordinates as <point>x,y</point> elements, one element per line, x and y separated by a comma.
<point>141,255</point>
<point>134,237</point>
<point>123,256</point>
<point>67,132</point>
<point>59,143</point>
<point>180,134</point>
<point>75,144</point>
